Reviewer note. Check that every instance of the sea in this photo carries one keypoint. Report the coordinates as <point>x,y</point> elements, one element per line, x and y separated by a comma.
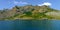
<point>29,24</point>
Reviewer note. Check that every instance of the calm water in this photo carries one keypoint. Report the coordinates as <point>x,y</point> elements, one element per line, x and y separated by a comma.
<point>30,25</point>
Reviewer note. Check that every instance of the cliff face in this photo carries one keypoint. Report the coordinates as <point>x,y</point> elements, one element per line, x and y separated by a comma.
<point>28,12</point>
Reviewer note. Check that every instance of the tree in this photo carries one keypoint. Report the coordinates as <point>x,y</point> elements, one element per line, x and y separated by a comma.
<point>16,7</point>
<point>28,13</point>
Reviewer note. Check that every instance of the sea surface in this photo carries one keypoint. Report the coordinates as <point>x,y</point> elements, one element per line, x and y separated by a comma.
<point>30,25</point>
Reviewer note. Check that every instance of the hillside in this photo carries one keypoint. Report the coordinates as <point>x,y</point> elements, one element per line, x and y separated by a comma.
<point>29,12</point>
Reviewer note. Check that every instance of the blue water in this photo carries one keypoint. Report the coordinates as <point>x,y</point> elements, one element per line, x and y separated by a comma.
<point>30,25</point>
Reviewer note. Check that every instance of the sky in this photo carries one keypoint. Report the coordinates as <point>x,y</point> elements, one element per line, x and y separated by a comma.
<point>11,3</point>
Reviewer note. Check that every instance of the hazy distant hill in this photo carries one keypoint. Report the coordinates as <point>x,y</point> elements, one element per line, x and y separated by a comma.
<point>30,12</point>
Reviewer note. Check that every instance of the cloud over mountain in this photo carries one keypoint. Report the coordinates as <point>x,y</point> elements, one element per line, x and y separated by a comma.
<point>19,2</point>
<point>45,3</point>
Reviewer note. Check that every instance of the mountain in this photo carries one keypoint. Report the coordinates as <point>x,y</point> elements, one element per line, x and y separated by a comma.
<point>29,12</point>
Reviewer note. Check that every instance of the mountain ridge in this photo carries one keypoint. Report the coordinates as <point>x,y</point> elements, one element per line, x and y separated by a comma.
<point>27,12</point>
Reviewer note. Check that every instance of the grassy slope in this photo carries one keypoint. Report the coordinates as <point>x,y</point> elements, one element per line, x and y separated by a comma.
<point>55,15</point>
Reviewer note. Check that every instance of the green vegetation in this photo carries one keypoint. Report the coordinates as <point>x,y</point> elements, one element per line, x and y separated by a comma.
<point>29,12</point>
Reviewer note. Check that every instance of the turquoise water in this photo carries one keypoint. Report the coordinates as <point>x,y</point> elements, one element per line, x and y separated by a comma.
<point>30,25</point>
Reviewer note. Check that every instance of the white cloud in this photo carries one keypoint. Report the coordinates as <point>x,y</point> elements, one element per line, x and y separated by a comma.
<point>45,3</point>
<point>15,2</point>
<point>19,2</point>
<point>23,2</point>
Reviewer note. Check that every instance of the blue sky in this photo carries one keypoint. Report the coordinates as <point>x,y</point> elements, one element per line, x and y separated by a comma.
<point>11,3</point>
